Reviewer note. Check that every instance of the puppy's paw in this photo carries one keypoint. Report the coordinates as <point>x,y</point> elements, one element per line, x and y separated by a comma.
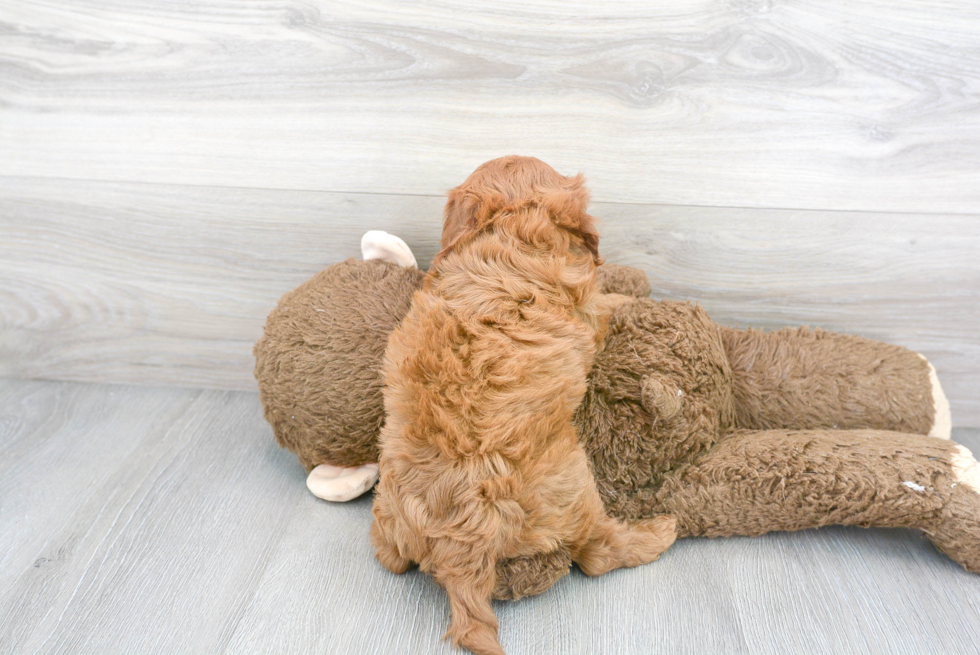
<point>391,560</point>
<point>654,536</point>
<point>387,552</point>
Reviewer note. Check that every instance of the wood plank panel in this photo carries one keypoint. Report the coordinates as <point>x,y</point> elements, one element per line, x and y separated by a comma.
<point>153,284</point>
<point>810,104</point>
<point>59,443</point>
<point>197,535</point>
<point>171,285</point>
<point>324,574</point>
<point>862,591</point>
<point>159,554</point>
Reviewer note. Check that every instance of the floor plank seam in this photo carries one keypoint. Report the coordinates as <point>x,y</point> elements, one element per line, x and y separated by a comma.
<point>405,194</point>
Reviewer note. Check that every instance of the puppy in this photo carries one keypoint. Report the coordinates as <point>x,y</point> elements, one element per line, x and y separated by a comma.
<point>479,457</point>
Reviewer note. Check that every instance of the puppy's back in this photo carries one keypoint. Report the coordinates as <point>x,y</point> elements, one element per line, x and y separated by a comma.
<point>470,383</point>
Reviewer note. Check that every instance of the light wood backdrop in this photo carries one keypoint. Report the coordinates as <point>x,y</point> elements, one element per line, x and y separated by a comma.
<point>168,170</point>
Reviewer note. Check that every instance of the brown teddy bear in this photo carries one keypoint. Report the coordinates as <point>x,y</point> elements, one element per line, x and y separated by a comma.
<point>732,432</point>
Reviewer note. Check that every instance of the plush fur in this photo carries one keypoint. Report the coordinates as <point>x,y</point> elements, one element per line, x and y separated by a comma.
<point>318,363</point>
<point>622,280</point>
<point>740,432</point>
<point>795,479</point>
<point>772,431</point>
<point>318,360</point>
<point>641,424</point>
<point>479,460</point>
<point>780,365</point>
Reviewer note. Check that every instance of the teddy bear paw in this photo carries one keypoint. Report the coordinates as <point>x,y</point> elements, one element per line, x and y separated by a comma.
<point>942,423</point>
<point>338,484</point>
<point>966,469</point>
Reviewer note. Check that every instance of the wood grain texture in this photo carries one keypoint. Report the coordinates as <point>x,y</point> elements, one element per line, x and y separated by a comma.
<point>306,601</point>
<point>59,444</point>
<point>153,284</point>
<point>142,520</point>
<point>810,104</point>
<point>875,578</point>
<point>161,549</point>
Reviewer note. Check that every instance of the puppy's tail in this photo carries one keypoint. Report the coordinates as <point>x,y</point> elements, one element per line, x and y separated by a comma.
<point>473,624</point>
<point>467,567</point>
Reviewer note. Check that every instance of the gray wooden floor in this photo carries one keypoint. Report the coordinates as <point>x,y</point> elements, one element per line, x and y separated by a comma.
<point>153,520</point>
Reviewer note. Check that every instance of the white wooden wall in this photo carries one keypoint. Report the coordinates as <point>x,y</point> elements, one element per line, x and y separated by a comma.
<point>169,169</point>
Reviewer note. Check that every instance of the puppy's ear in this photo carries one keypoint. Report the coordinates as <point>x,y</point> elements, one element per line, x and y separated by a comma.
<point>589,236</point>
<point>457,216</point>
<point>467,211</point>
<point>567,207</point>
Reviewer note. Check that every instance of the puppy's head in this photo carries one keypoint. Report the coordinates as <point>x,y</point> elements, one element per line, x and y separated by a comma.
<point>519,186</point>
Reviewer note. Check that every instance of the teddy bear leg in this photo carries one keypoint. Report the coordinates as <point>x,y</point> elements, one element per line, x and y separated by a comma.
<point>377,244</point>
<point>527,576</point>
<point>803,379</point>
<point>753,482</point>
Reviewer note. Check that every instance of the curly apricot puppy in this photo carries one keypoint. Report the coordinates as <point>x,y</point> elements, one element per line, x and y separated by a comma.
<point>479,457</point>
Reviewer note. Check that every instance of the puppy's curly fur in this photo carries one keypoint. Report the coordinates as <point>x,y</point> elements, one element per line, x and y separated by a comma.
<point>479,457</point>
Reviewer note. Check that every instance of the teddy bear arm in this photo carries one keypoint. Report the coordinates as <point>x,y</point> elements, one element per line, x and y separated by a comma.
<point>625,280</point>
<point>798,378</point>
<point>755,482</point>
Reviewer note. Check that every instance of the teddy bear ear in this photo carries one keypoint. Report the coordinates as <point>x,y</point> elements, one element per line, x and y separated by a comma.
<point>378,244</point>
<point>661,397</point>
<point>589,235</point>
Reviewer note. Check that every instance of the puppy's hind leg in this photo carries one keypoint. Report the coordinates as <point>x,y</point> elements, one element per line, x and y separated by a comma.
<point>614,544</point>
<point>385,548</point>
<point>597,542</point>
